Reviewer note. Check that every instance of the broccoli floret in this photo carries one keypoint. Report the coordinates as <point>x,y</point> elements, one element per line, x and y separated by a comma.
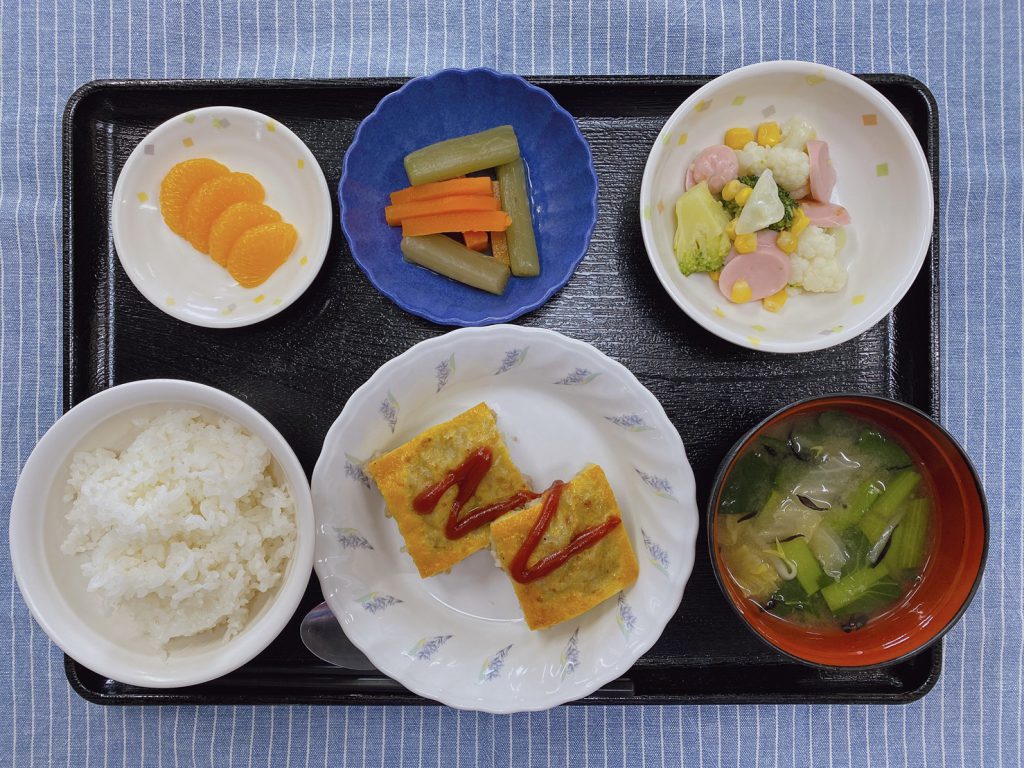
<point>787,218</point>
<point>700,242</point>
<point>787,202</point>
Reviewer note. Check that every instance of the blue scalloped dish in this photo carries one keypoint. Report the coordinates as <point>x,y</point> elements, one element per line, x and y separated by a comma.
<point>453,102</point>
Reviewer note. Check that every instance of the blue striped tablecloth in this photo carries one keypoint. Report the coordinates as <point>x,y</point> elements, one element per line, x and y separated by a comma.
<point>969,55</point>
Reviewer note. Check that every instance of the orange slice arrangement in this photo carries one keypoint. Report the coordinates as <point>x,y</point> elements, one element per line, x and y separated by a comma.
<point>259,251</point>
<point>235,220</point>
<point>180,184</point>
<point>212,199</point>
<point>221,213</point>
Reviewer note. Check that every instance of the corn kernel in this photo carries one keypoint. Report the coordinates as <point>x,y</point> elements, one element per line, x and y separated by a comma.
<point>715,274</point>
<point>730,229</point>
<point>776,301</point>
<point>768,134</point>
<point>743,195</point>
<point>786,241</point>
<point>738,138</point>
<point>731,188</point>
<point>800,222</point>
<point>740,292</point>
<point>745,243</point>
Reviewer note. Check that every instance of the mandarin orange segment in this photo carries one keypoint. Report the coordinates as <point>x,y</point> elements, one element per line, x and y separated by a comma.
<point>180,183</point>
<point>235,220</point>
<point>211,199</point>
<point>259,251</point>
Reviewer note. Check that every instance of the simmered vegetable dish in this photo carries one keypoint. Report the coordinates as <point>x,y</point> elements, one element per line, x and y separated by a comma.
<point>484,213</point>
<point>825,520</point>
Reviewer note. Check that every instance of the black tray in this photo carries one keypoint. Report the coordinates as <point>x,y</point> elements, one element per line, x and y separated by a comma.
<point>299,367</point>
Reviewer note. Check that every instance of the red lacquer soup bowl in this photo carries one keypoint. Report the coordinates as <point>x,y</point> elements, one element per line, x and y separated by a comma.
<point>952,572</point>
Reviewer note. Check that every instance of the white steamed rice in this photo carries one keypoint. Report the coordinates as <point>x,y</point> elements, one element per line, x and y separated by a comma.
<point>184,527</point>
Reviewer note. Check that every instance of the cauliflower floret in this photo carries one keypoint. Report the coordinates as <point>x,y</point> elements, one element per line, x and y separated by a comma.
<point>800,192</point>
<point>791,168</point>
<point>796,132</point>
<point>752,159</point>
<point>815,264</point>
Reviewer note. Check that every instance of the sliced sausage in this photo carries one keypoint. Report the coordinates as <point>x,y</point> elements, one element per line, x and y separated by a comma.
<point>765,273</point>
<point>822,173</point>
<point>825,215</point>
<point>717,165</point>
<point>765,244</point>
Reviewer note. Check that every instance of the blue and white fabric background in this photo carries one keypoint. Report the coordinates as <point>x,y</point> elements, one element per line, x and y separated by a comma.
<point>968,54</point>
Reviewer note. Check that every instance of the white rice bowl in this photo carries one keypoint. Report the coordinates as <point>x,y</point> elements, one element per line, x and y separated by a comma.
<point>183,529</point>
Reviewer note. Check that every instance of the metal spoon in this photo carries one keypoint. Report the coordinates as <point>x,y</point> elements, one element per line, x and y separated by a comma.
<point>324,638</point>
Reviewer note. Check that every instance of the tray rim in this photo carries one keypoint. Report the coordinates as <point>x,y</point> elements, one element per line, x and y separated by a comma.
<point>70,375</point>
<point>168,696</point>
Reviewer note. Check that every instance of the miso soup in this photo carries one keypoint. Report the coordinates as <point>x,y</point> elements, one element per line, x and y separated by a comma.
<point>825,520</point>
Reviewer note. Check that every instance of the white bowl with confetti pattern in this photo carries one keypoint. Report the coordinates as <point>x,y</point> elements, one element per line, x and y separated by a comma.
<point>883,180</point>
<point>460,637</point>
<point>173,275</point>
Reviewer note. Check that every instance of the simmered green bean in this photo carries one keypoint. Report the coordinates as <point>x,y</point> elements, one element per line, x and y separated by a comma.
<point>443,255</point>
<point>462,155</point>
<point>515,201</point>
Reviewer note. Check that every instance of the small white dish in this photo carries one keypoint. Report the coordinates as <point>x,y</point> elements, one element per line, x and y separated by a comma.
<point>52,583</point>
<point>180,280</point>
<point>460,637</point>
<point>884,182</point>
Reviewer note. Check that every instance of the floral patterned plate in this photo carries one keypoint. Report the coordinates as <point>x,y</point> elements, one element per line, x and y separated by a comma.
<point>460,637</point>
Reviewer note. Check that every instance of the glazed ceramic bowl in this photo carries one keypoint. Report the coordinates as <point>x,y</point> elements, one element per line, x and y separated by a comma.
<point>52,582</point>
<point>450,103</point>
<point>883,180</point>
<point>951,573</point>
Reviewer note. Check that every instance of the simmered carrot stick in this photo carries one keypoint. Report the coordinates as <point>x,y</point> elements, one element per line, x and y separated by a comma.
<point>453,204</point>
<point>471,185</point>
<point>485,221</point>
<point>499,240</point>
<point>476,241</point>
<point>499,247</point>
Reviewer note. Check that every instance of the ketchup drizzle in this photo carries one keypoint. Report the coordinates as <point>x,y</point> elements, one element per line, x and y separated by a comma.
<point>468,476</point>
<point>524,573</point>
